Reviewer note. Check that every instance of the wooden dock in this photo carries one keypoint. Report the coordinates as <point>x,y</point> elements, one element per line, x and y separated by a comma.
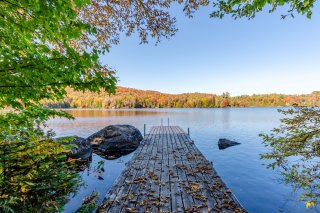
<point>168,173</point>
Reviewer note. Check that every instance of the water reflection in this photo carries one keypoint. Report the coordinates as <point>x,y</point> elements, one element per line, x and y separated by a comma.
<point>257,188</point>
<point>226,118</point>
<point>112,155</point>
<point>79,113</point>
<point>98,176</point>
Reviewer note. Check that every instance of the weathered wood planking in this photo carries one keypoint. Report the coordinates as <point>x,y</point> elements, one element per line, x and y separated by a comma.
<point>168,173</point>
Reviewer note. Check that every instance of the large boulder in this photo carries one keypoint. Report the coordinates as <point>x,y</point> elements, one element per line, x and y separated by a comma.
<point>82,149</point>
<point>225,143</point>
<point>115,140</point>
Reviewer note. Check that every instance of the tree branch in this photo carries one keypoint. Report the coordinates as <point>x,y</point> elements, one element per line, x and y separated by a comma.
<point>44,85</point>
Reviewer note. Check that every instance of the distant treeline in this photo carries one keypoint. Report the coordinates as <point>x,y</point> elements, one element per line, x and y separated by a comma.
<point>133,98</point>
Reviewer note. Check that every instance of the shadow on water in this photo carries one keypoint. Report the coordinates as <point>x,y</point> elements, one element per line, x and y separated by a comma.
<point>112,155</point>
<point>97,176</point>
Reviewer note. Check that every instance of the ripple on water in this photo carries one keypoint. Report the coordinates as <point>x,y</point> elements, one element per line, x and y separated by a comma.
<point>257,188</point>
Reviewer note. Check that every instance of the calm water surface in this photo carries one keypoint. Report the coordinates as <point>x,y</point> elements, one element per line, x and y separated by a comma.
<point>257,188</point>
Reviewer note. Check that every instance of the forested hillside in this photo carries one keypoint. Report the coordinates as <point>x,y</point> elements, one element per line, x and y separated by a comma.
<point>134,98</point>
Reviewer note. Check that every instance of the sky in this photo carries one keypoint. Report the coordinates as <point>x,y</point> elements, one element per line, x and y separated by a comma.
<point>258,56</point>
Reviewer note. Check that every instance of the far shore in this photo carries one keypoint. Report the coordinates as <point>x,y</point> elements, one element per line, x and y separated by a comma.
<point>172,108</point>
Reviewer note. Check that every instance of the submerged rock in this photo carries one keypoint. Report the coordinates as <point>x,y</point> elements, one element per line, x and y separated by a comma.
<point>225,143</point>
<point>115,140</point>
<point>83,149</point>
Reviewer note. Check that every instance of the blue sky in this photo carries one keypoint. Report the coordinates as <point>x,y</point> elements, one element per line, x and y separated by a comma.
<point>263,55</point>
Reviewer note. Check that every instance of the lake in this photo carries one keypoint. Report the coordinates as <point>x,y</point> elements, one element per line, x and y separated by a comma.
<point>257,188</point>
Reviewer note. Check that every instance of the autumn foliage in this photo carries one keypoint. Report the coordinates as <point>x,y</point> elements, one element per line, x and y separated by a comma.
<point>134,98</point>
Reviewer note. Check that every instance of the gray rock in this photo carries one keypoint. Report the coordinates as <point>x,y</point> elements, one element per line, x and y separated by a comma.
<point>83,151</point>
<point>115,140</point>
<point>225,143</point>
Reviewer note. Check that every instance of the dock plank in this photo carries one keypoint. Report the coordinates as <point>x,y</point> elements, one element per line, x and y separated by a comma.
<point>168,173</point>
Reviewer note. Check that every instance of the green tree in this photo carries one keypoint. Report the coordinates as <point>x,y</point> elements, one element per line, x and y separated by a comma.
<point>47,46</point>
<point>295,151</point>
<point>40,56</point>
<point>249,9</point>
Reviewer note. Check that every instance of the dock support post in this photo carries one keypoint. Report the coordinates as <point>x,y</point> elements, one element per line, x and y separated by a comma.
<point>168,122</point>
<point>144,130</point>
<point>189,132</point>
